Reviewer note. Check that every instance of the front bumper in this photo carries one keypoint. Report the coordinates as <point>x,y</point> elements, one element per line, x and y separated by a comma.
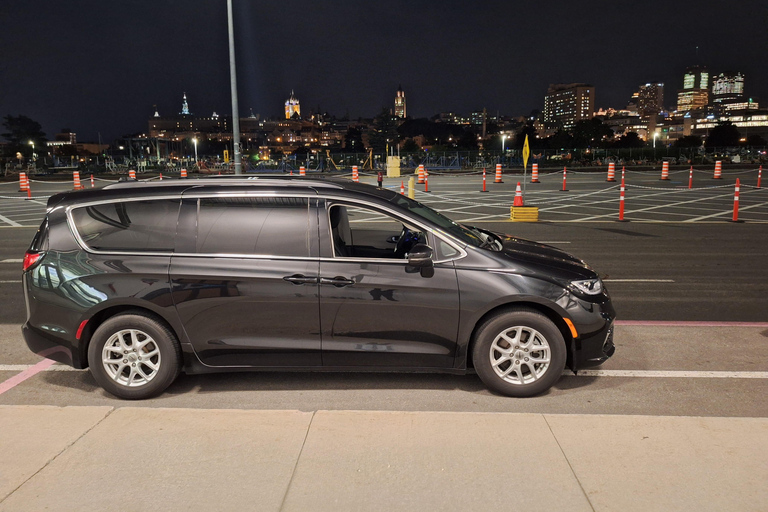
<point>594,323</point>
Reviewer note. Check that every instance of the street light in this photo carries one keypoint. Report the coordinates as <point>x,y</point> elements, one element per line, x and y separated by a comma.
<point>32,143</point>
<point>503,138</point>
<point>194,141</point>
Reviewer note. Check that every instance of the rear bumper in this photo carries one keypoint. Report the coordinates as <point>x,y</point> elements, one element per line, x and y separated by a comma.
<point>48,345</point>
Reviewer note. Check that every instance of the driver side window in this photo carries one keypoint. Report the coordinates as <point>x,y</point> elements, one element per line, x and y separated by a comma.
<point>359,232</point>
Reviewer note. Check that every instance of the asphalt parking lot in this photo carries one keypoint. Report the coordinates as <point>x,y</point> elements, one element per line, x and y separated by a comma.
<point>685,390</point>
<point>687,282</point>
<point>589,197</point>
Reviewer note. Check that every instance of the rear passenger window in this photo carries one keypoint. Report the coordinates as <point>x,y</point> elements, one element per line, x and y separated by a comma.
<point>276,226</point>
<point>133,226</point>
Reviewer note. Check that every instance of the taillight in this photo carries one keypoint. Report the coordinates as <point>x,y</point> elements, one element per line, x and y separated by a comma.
<point>30,258</point>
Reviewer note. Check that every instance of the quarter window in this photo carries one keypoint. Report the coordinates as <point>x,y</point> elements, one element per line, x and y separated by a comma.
<point>277,226</point>
<point>132,226</point>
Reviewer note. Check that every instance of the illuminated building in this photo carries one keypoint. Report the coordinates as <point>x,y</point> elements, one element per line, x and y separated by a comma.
<point>567,104</point>
<point>727,86</point>
<point>695,92</point>
<point>650,99</point>
<point>400,103</point>
<point>292,107</point>
<point>184,107</point>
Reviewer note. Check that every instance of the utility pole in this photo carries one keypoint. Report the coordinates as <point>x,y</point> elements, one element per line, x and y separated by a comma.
<point>233,87</point>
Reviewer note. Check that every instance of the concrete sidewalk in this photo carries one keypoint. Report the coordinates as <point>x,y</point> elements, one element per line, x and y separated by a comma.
<point>131,458</point>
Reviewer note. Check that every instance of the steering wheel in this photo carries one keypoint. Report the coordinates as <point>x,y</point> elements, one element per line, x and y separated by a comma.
<point>405,242</point>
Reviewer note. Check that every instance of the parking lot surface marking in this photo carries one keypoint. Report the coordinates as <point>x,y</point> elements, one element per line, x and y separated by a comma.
<point>24,375</point>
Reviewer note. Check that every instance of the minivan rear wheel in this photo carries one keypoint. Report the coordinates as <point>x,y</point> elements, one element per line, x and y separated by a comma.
<point>134,356</point>
<point>519,353</point>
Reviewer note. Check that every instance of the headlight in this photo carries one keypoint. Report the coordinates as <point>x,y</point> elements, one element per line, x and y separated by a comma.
<point>588,286</point>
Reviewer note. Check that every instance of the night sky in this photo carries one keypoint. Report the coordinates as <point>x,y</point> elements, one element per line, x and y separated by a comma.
<point>100,66</point>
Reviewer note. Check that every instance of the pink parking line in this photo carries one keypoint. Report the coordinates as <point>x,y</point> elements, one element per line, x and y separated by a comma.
<point>665,323</point>
<point>29,372</point>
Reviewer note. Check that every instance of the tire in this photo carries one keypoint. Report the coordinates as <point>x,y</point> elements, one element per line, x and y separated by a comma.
<point>150,359</point>
<point>519,353</point>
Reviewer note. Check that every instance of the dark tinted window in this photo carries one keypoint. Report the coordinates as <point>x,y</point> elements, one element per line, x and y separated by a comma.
<point>277,226</point>
<point>134,226</point>
<point>40,241</point>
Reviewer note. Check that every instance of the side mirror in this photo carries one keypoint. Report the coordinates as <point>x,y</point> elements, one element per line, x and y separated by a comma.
<point>420,257</point>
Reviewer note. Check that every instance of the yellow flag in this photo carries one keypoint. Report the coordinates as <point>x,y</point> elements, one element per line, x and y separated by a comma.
<point>526,152</point>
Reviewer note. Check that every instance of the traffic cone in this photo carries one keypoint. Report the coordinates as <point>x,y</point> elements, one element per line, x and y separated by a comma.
<point>421,174</point>
<point>535,173</point>
<point>565,174</point>
<point>621,202</point>
<point>518,196</point>
<point>183,173</point>
<point>23,182</point>
<point>611,172</point>
<point>718,171</point>
<point>665,171</point>
<point>302,171</point>
<point>498,174</point>
<point>161,176</point>
<point>402,187</point>
<point>355,175</point>
<point>690,178</point>
<point>426,181</point>
<point>76,178</point>
<point>736,202</point>
<point>759,176</point>
<point>485,189</point>
<point>93,183</point>
<point>132,174</point>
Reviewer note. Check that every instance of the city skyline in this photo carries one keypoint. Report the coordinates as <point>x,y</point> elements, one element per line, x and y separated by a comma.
<point>101,68</point>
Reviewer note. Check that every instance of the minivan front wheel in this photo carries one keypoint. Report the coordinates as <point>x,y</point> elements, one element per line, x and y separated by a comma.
<point>134,356</point>
<point>519,353</point>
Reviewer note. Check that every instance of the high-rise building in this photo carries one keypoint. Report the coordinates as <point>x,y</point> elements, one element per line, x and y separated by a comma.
<point>400,102</point>
<point>650,99</point>
<point>727,86</point>
<point>695,92</point>
<point>567,104</point>
<point>292,107</point>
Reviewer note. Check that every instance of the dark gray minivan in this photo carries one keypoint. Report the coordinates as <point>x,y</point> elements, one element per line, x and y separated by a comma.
<point>139,281</point>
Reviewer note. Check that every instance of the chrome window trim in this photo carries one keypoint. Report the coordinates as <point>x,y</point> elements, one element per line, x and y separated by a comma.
<point>396,213</point>
<point>310,193</point>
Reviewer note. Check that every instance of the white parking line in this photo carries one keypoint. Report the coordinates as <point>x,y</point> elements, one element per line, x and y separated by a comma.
<point>673,374</point>
<point>9,221</point>
<point>726,213</point>
<point>638,281</point>
<point>19,260</point>
<point>657,374</point>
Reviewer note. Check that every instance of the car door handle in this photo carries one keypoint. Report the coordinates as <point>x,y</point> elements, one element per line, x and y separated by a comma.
<point>300,279</point>
<point>337,281</point>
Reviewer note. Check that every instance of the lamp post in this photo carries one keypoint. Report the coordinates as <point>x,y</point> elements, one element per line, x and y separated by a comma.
<point>503,139</point>
<point>655,136</point>
<point>32,143</point>
<point>194,141</point>
<point>233,89</point>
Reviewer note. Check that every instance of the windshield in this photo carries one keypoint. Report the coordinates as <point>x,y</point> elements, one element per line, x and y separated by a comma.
<point>467,234</point>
